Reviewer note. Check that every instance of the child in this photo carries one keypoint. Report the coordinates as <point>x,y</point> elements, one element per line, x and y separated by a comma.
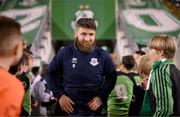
<point>11,89</point>
<point>163,84</point>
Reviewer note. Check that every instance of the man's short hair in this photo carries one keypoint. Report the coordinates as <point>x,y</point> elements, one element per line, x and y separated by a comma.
<point>86,23</point>
<point>8,28</point>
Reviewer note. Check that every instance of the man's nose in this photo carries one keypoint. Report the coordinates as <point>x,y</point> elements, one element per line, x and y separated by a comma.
<point>87,38</point>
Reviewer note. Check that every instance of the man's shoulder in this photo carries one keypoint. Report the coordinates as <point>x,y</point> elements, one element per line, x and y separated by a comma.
<point>101,51</point>
<point>70,45</point>
<point>97,48</point>
<point>67,48</point>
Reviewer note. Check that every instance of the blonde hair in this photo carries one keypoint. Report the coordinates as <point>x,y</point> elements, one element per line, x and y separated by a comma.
<point>164,43</point>
<point>144,64</point>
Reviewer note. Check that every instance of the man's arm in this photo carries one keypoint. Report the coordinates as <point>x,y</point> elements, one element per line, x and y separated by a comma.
<point>110,78</point>
<point>54,79</point>
<point>54,75</point>
<point>108,86</point>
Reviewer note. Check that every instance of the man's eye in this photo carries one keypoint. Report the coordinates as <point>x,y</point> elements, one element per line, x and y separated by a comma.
<point>91,34</point>
<point>84,34</point>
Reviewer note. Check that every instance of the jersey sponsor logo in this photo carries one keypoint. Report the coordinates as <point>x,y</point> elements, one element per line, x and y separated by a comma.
<point>94,61</point>
<point>121,92</point>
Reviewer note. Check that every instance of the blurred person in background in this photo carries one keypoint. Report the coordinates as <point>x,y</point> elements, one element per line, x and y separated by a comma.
<point>81,75</point>
<point>21,71</point>
<point>11,89</point>
<point>43,95</point>
<point>116,60</point>
<point>120,98</point>
<point>136,56</point>
<point>37,76</point>
<point>36,71</point>
<point>144,67</point>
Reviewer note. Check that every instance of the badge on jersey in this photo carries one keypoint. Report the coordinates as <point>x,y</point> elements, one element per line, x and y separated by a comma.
<point>94,61</point>
<point>121,92</point>
<point>74,61</point>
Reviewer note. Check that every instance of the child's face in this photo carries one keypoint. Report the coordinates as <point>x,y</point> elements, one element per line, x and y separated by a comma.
<point>144,82</point>
<point>154,54</point>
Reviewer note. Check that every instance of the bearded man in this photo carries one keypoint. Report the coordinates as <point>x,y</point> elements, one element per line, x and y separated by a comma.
<point>81,75</point>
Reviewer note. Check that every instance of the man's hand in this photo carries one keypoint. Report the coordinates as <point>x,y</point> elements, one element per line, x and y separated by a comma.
<point>95,103</point>
<point>66,104</point>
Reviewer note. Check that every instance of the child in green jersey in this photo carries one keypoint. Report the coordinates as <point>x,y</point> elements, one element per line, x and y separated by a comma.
<point>161,87</point>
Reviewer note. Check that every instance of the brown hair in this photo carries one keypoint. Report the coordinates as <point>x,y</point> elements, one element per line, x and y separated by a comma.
<point>86,23</point>
<point>8,28</point>
<point>163,43</point>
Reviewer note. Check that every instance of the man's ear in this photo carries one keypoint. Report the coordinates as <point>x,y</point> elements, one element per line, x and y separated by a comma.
<point>161,52</point>
<point>75,34</point>
<point>15,50</point>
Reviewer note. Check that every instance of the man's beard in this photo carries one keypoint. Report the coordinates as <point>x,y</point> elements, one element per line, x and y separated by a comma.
<point>84,46</point>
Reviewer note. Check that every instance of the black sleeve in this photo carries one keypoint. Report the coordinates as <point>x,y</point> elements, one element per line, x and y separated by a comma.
<point>175,78</point>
